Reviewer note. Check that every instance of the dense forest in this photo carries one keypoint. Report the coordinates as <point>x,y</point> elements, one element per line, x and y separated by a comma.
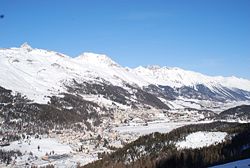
<point>159,151</point>
<point>237,113</point>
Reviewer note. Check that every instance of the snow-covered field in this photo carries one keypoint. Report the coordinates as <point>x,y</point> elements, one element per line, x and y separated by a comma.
<point>201,139</point>
<point>60,155</point>
<point>162,127</point>
<point>156,126</point>
<point>239,164</point>
<point>46,145</point>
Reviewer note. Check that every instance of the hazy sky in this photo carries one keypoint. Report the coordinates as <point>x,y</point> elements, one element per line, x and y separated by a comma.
<point>208,36</point>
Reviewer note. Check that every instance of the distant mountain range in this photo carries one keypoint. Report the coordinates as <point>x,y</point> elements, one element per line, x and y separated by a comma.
<point>94,83</point>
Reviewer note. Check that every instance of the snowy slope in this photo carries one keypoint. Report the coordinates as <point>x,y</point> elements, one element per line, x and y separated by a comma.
<point>45,144</point>
<point>176,77</point>
<point>201,139</point>
<point>108,69</point>
<point>39,73</point>
<point>60,155</point>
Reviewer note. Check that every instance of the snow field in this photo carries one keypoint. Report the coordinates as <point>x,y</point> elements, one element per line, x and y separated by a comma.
<point>46,145</point>
<point>201,139</point>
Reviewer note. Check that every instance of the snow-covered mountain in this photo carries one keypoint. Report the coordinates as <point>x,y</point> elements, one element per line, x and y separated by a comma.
<point>176,77</point>
<point>91,99</point>
<point>195,85</point>
<point>40,74</point>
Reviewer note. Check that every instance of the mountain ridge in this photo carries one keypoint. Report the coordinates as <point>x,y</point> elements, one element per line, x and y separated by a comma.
<point>39,73</point>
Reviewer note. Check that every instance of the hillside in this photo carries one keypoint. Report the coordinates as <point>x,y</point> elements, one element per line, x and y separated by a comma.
<point>162,150</point>
<point>239,113</point>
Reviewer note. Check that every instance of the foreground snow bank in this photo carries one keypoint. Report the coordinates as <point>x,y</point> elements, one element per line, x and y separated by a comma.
<point>201,139</point>
<point>239,164</point>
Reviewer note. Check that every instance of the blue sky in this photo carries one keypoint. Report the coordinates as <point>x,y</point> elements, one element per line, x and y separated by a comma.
<point>208,36</point>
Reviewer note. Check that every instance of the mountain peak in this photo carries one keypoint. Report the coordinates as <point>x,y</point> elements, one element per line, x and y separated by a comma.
<point>162,68</point>
<point>153,67</point>
<point>96,59</point>
<point>26,46</point>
